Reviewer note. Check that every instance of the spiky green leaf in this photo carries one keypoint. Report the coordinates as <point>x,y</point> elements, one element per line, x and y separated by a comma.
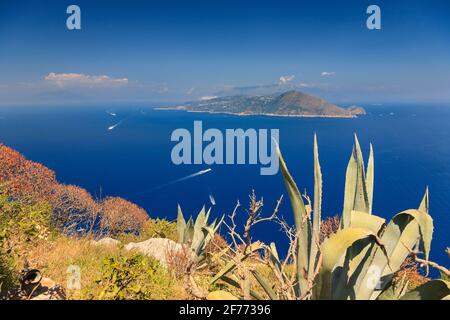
<point>370,178</point>
<point>231,265</point>
<point>346,275</point>
<point>333,249</point>
<point>265,285</point>
<point>199,235</point>
<point>350,190</point>
<point>181,225</point>
<point>366,221</point>
<point>301,223</point>
<point>399,239</point>
<point>189,231</point>
<point>317,212</point>
<point>235,283</point>
<point>425,203</point>
<point>361,198</point>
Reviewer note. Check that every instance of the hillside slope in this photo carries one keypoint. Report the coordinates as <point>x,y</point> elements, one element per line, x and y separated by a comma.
<point>291,103</point>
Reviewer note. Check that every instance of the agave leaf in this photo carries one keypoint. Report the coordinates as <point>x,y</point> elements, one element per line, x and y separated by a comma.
<point>274,257</point>
<point>399,239</point>
<point>333,249</point>
<point>263,283</point>
<point>431,290</point>
<point>199,235</point>
<point>370,179</point>
<point>355,262</point>
<point>213,225</point>
<point>358,150</point>
<point>426,229</point>
<point>201,219</point>
<point>425,207</point>
<point>181,225</point>
<point>300,218</point>
<point>235,283</point>
<point>425,204</point>
<point>350,190</point>
<point>216,227</point>
<point>365,220</point>
<point>207,215</point>
<point>361,198</point>
<point>356,196</point>
<point>208,233</point>
<point>395,290</point>
<point>232,264</point>
<point>314,242</point>
<point>334,246</point>
<point>225,270</point>
<point>189,231</point>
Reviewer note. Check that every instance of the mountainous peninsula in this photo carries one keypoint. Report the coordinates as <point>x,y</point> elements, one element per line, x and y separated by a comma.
<point>291,103</point>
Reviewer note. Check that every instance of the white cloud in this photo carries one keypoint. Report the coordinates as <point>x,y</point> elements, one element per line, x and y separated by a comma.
<point>191,91</point>
<point>84,80</point>
<point>308,85</point>
<point>286,79</point>
<point>327,73</point>
<point>208,98</point>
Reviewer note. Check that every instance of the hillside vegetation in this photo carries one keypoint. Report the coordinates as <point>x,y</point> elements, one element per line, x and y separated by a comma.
<point>48,230</point>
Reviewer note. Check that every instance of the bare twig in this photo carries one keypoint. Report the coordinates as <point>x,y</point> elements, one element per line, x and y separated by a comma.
<point>432,264</point>
<point>242,243</point>
<point>414,255</point>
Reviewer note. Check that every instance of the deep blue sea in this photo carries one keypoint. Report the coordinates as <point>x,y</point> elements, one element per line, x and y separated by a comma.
<point>411,144</point>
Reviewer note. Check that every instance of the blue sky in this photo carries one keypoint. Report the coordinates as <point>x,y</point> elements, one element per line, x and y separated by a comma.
<point>171,51</point>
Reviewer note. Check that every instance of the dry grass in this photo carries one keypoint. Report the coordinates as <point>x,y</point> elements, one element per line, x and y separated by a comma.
<point>180,263</point>
<point>54,257</point>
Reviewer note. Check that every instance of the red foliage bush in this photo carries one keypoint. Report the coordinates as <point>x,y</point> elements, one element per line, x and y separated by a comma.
<point>24,179</point>
<point>328,227</point>
<point>216,245</point>
<point>73,209</point>
<point>121,216</point>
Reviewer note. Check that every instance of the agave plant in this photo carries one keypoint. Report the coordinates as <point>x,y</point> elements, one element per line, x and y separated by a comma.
<point>360,260</point>
<point>197,234</point>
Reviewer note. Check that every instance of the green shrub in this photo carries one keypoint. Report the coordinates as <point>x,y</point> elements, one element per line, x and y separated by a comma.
<point>22,221</point>
<point>159,228</point>
<point>20,224</point>
<point>153,228</point>
<point>136,277</point>
<point>7,276</point>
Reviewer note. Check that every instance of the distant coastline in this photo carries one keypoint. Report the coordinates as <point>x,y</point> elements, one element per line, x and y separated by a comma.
<point>244,114</point>
<point>288,104</point>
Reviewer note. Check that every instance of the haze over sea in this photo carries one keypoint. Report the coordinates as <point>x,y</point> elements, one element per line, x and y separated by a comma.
<point>411,145</point>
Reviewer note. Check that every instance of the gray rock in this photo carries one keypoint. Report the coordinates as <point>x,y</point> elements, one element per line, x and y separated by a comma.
<point>160,248</point>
